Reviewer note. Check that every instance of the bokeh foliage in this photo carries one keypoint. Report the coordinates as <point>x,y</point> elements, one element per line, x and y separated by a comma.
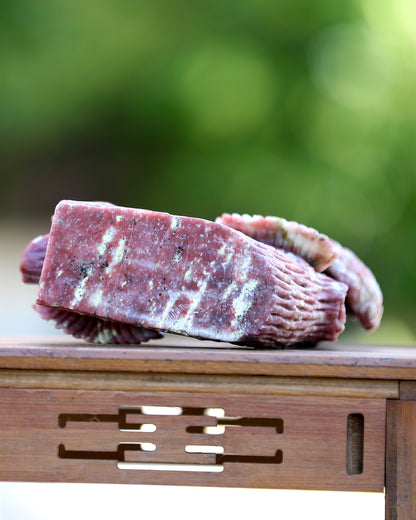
<point>300,109</point>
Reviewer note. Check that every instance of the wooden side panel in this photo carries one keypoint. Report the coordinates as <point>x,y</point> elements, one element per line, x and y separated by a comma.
<point>286,442</point>
<point>407,390</point>
<point>401,460</point>
<point>213,383</point>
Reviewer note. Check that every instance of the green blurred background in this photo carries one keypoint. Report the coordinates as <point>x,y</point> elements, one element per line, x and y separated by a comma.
<point>299,109</point>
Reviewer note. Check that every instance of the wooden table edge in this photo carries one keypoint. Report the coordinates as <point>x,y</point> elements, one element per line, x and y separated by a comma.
<point>188,357</point>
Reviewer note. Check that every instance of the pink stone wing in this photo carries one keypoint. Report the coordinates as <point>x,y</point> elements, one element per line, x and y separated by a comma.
<point>96,330</point>
<point>33,257</point>
<point>364,297</point>
<point>317,249</point>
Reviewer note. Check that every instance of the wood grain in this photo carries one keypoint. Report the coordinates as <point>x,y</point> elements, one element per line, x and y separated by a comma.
<point>39,444</point>
<point>407,390</point>
<point>190,356</point>
<point>163,382</point>
<point>401,460</point>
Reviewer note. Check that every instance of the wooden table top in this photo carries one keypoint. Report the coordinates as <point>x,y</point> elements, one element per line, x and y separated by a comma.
<point>175,354</point>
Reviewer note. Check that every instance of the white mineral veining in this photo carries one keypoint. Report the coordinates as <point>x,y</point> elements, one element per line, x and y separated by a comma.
<point>185,322</point>
<point>165,317</point>
<point>242,289</point>
<point>177,256</point>
<point>221,251</point>
<point>232,287</point>
<point>244,269</point>
<point>104,337</point>
<point>227,251</point>
<point>117,255</point>
<point>79,292</point>
<point>107,238</point>
<point>243,302</point>
<point>96,298</point>
<point>169,319</point>
<point>176,222</point>
<point>188,273</point>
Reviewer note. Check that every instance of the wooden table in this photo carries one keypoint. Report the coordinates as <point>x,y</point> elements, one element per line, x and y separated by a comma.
<point>181,412</point>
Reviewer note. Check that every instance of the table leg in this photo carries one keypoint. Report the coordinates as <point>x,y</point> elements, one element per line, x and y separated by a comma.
<point>401,460</point>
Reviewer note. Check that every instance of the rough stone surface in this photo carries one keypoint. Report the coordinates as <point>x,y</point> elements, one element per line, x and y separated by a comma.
<point>184,275</point>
